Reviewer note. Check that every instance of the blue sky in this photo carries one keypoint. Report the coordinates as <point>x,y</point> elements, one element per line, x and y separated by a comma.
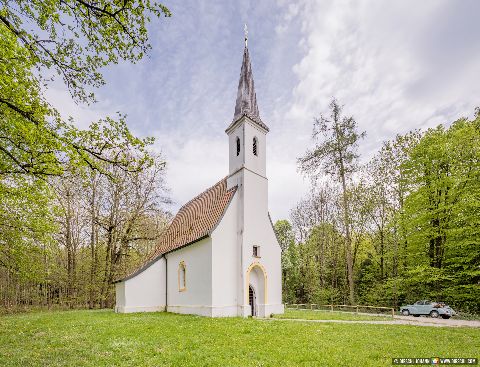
<point>396,65</point>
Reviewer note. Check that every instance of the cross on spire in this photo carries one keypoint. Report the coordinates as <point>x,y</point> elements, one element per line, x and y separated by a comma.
<point>245,28</point>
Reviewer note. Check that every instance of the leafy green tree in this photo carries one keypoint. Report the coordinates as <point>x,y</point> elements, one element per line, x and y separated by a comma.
<point>284,233</point>
<point>292,284</point>
<point>335,153</point>
<point>443,174</point>
<point>73,39</point>
<point>432,187</point>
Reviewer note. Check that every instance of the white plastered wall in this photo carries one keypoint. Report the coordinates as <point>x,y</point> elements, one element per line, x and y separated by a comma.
<point>145,292</point>
<point>226,263</point>
<point>258,231</point>
<point>197,296</point>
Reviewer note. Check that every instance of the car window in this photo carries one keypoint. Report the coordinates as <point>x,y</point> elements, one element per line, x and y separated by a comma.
<point>418,303</point>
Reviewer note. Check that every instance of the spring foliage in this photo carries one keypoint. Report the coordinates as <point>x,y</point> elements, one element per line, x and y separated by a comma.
<point>42,152</point>
<point>415,226</point>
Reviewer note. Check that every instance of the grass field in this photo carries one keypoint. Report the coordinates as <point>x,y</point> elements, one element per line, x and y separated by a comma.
<point>327,315</point>
<point>103,338</point>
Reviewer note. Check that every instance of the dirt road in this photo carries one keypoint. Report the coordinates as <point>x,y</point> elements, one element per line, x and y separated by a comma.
<point>398,320</point>
<point>428,321</point>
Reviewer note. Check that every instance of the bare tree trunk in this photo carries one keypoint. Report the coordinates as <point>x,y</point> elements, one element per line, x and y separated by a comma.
<point>93,252</point>
<point>348,244</point>
<point>382,259</point>
<point>110,248</point>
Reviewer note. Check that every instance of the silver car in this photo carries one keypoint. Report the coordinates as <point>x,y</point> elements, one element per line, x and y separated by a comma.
<point>428,308</point>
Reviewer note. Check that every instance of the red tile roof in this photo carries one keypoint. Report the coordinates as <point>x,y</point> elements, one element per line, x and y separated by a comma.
<point>194,221</point>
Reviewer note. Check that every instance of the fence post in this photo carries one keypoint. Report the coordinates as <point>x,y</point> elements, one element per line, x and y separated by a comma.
<point>356,309</point>
<point>393,313</point>
<point>331,308</point>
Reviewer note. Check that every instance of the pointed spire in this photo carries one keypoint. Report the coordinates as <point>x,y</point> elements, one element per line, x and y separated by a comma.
<point>246,104</point>
<point>246,98</point>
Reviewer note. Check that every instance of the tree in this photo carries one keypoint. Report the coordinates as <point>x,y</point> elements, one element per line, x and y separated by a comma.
<point>387,173</point>
<point>39,41</point>
<point>442,173</point>
<point>284,233</point>
<point>336,155</point>
<point>286,238</point>
<point>292,287</point>
<point>74,39</point>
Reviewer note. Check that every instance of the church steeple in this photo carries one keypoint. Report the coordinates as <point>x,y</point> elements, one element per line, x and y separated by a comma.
<point>246,104</point>
<point>247,132</point>
<point>246,98</point>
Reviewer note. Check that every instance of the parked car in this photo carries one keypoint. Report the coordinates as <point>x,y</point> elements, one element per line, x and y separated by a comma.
<point>425,307</point>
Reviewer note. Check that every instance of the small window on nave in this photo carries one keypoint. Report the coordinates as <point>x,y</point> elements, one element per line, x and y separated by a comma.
<point>182,277</point>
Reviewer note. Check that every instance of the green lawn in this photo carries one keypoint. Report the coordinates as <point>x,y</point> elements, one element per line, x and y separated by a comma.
<point>327,315</point>
<point>103,338</point>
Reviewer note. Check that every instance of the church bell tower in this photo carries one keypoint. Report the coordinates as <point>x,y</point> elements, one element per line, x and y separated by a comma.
<point>247,132</point>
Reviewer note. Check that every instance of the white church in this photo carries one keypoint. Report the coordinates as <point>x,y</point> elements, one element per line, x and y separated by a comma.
<point>219,256</point>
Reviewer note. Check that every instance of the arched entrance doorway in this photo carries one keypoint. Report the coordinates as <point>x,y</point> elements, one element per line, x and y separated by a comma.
<point>256,289</point>
<point>252,301</point>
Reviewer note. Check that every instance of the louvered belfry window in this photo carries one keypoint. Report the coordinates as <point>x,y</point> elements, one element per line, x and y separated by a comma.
<point>238,145</point>
<point>255,146</point>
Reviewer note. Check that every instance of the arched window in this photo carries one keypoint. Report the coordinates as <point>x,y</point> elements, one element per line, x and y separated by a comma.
<point>182,277</point>
<point>238,145</point>
<point>255,143</point>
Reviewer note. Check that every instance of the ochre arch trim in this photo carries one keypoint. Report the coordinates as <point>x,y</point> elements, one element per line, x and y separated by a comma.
<point>265,283</point>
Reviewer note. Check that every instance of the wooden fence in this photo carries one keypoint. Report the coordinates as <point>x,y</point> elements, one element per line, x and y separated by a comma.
<point>338,308</point>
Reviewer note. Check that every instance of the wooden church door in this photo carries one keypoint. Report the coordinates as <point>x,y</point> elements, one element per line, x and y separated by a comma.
<point>252,300</point>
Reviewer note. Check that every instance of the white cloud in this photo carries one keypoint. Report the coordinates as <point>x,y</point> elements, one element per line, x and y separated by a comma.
<point>82,115</point>
<point>375,57</point>
<point>194,163</point>
<point>390,63</point>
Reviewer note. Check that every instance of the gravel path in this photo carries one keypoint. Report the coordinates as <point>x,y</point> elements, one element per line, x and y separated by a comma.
<point>453,322</point>
<point>399,320</point>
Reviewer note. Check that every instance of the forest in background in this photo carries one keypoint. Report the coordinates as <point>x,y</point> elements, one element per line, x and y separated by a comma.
<point>77,206</point>
<point>74,235</point>
<point>405,225</point>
